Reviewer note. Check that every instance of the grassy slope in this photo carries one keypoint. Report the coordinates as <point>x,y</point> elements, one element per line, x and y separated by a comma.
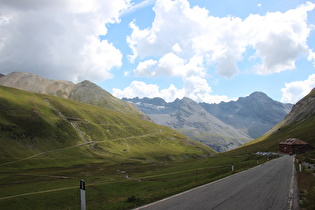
<point>31,124</point>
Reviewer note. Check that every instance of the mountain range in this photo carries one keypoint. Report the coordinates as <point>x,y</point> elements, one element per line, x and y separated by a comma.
<point>222,126</point>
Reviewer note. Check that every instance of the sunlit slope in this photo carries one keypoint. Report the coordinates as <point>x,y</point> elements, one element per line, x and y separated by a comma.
<point>299,123</point>
<point>60,132</point>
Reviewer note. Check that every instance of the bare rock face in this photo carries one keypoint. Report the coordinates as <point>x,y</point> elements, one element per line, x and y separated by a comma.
<point>189,118</point>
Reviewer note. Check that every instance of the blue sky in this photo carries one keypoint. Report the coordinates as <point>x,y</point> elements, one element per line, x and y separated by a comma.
<point>210,51</point>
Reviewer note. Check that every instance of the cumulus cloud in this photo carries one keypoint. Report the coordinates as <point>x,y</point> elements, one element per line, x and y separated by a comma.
<point>59,38</point>
<point>194,87</point>
<point>278,39</point>
<point>137,89</point>
<point>171,65</point>
<point>295,91</point>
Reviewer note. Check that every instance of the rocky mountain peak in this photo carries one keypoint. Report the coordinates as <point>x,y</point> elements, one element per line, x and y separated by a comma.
<point>258,94</point>
<point>256,98</point>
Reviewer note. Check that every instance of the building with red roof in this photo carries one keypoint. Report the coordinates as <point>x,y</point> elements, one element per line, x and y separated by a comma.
<point>294,146</point>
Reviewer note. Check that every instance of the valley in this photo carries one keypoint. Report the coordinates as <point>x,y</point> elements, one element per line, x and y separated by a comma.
<point>49,143</point>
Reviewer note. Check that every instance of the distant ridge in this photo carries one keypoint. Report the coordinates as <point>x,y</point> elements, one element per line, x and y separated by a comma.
<point>189,118</point>
<point>36,84</point>
<point>85,92</point>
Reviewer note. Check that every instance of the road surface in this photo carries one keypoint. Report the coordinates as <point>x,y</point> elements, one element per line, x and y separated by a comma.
<point>267,186</point>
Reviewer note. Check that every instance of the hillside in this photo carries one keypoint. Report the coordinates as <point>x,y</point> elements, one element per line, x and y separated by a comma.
<point>189,118</point>
<point>85,92</point>
<point>50,131</point>
<point>299,123</point>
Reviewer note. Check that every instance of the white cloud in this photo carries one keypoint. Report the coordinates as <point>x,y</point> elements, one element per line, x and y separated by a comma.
<point>295,91</point>
<point>171,65</point>
<point>59,38</point>
<point>279,39</point>
<point>135,7</point>
<point>194,87</point>
<point>137,89</point>
<point>145,68</point>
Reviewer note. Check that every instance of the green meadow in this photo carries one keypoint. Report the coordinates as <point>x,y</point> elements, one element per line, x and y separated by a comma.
<point>119,185</point>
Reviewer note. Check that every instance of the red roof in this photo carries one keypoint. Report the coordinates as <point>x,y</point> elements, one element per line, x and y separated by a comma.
<point>293,141</point>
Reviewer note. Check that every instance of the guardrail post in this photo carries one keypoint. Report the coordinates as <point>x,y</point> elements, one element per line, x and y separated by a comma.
<point>82,195</point>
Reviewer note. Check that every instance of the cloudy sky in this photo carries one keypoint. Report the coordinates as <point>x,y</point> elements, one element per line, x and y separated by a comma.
<point>210,51</point>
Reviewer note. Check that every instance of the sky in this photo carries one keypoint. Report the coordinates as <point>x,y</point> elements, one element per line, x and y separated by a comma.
<point>209,51</point>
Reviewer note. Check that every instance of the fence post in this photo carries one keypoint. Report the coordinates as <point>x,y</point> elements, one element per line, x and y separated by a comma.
<point>82,194</point>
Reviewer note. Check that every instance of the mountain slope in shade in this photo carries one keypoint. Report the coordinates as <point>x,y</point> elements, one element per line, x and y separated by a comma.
<point>85,92</point>
<point>255,114</point>
<point>189,118</point>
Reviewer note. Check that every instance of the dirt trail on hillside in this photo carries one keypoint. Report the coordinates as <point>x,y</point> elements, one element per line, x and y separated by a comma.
<point>77,145</point>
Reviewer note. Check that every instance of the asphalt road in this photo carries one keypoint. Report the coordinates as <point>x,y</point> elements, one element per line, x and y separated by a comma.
<point>267,186</point>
